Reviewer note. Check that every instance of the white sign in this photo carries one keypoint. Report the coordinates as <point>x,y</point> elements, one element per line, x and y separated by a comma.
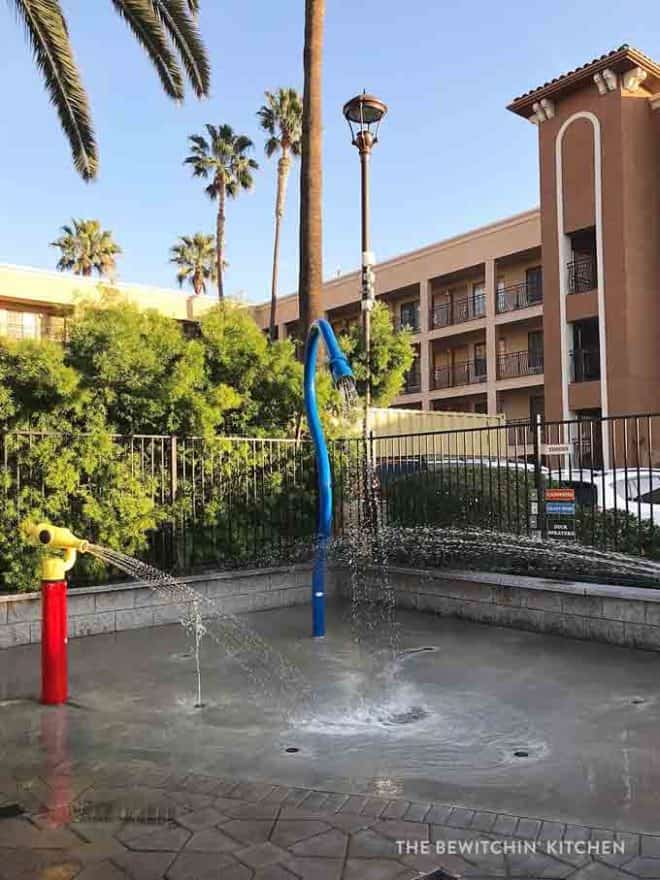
<point>556,449</point>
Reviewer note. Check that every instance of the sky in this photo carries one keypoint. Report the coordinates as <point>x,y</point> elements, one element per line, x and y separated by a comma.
<point>450,156</point>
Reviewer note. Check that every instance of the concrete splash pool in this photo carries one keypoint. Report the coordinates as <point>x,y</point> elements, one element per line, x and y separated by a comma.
<point>484,720</point>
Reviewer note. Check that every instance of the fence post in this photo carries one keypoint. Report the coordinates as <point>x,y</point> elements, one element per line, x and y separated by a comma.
<point>538,475</point>
<point>174,474</point>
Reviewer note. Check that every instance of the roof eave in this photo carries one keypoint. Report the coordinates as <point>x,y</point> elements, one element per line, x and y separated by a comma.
<point>619,61</point>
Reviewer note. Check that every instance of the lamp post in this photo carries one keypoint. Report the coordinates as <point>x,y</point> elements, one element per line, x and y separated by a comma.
<point>363,114</point>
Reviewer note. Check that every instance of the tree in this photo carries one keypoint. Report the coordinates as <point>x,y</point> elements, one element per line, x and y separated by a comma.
<point>223,159</point>
<point>281,118</point>
<point>310,275</point>
<point>140,371</point>
<point>166,29</point>
<point>195,257</point>
<point>128,360</point>
<point>86,248</point>
<point>392,356</point>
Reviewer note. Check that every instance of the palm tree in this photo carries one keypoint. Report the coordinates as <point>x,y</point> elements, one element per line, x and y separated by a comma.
<point>166,29</point>
<point>86,248</point>
<point>281,118</point>
<point>195,257</point>
<point>310,275</point>
<point>223,160</point>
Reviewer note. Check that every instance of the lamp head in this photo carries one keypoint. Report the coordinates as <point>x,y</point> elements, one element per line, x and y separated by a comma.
<point>363,114</point>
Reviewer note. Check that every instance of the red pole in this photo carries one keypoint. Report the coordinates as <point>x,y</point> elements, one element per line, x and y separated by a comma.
<point>54,678</point>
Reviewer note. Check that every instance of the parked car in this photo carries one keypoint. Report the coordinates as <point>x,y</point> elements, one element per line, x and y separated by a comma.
<point>629,491</point>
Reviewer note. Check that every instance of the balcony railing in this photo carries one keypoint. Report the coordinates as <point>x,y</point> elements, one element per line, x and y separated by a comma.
<point>458,311</point>
<point>466,373</point>
<point>585,364</point>
<point>519,296</point>
<point>519,363</point>
<point>582,275</point>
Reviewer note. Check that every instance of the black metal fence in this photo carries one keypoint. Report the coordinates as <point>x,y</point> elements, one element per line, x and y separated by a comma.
<point>595,481</point>
<point>241,500</point>
<point>225,500</point>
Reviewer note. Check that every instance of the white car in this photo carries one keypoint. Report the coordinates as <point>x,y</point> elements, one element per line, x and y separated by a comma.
<point>627,491</point>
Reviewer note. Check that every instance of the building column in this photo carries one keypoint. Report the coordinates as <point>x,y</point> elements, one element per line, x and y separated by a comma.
<point>491,343</point>
<point>424,343</point>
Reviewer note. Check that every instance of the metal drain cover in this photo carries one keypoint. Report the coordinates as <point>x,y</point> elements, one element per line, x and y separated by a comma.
<point>410,716</point>
<point>11,811</point>
<point>440,874</point>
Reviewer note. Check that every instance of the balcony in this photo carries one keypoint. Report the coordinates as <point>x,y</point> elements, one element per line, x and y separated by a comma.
<point>585,365</point>
<point>407,321</point>
<point>413,382</point>
<point>519,363</point>
<point>466,373</point>
<point>582,275</point>
<point>458,311</point>
<point>518,296</point>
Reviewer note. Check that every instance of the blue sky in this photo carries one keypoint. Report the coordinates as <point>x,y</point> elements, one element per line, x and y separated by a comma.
<point>450,158</point>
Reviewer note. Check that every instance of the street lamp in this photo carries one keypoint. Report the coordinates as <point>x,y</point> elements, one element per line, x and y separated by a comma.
<point>363,114</point>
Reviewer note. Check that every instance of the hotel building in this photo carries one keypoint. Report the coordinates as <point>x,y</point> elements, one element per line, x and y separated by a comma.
<point>554,311</point>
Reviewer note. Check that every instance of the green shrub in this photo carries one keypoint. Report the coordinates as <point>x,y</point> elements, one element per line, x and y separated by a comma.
<point>454,495</point>
<point>83,481</point>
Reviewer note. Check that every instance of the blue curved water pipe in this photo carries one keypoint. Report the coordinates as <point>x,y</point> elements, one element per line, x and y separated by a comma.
<point>340,369</point>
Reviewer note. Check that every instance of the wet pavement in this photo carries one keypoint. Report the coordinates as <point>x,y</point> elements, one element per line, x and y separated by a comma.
<point>454,759</point>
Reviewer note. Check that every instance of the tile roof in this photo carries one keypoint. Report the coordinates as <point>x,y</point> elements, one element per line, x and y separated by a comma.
<point>562,76</point>
<point>624,53</point>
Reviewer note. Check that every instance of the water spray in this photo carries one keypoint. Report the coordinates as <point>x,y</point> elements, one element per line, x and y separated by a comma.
<point>342,375</point>
<point>54,665</point>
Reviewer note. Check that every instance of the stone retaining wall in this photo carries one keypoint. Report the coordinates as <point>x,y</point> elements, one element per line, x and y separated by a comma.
<point>134,605</point>
<point>618,615</point>
<point>627,616</point>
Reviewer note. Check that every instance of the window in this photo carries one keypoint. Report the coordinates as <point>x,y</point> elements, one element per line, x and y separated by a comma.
<point>480,359</point>
<point>20,325</point>
<point>478,299</point>
<point>534,283</point>
<point>409,315</point>
<point>536,408</point>
<point>535,350</point>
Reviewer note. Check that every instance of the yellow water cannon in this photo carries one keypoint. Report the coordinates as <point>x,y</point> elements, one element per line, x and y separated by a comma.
<point>54,568</point>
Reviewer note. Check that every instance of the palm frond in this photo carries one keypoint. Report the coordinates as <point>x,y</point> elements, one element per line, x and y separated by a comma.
<point>48,37</point>
<point>177,18</point>
<point>272,145</point>
<point>139,15</point>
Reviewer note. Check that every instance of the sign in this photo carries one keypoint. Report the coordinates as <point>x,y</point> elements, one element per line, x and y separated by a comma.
<point>560,508</point>
<point>555,449</point>
<point>560,514</point>
<point>561,530</point>
<point>560,494</point>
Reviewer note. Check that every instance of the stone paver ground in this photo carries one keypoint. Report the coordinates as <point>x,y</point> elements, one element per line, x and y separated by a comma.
<point>99,822</point>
